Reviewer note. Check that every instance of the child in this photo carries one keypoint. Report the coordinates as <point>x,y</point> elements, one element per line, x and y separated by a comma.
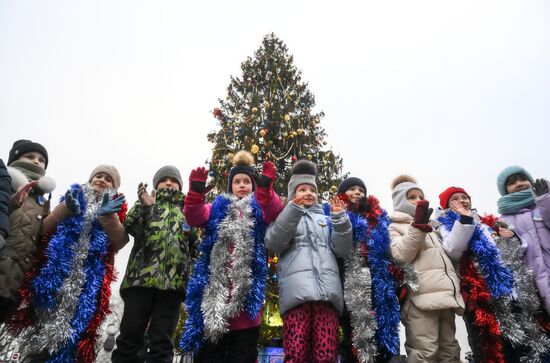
<point>5,195</point>
<point>429,313</point>
<point>525,206</point>
<point>308,241</point>
<point>499,318</point>
<point>28,207</point>
<point>66,297</point>
<point>158,268</point>
<point>369,282</point>
<point>226,290</point>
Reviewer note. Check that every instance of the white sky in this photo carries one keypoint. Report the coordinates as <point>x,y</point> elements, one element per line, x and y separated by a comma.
<point>449,92</point>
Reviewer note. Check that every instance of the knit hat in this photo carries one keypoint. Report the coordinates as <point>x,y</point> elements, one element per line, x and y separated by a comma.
<point>109,170</point>
<point>448,193</point>
<point>351,182</point>
<point>508,172</point>
<point>400,187</point>
<point>23,146</point>
<point>168,171</point>
<point>242,164</point>
<point>303,172</point>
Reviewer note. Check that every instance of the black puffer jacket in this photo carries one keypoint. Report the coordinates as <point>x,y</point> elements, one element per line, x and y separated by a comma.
<point>5,194</point>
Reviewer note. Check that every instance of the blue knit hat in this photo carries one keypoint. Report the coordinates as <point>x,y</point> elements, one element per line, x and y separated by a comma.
<point>506,173</point>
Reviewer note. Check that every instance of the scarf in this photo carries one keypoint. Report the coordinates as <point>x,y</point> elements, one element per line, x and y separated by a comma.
<point>514,202</point>
<point>216,293</point>
<point>31,171</point>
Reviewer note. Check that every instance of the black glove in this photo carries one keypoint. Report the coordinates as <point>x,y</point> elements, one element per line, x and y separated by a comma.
<point>540,187</point>
<point>269,173</point>
<point>71,201</point>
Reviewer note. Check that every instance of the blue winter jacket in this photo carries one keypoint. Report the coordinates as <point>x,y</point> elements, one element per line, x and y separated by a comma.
<point>308,243</point>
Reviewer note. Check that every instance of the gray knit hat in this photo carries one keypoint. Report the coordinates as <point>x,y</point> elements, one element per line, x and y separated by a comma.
<point>303,172</point>
<point>400,187</point>
<point>109,170</point>
<point>508,172</point>
<point>165,172</point>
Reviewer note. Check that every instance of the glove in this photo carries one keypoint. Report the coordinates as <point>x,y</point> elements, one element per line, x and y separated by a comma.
<point>540,187</point>
<point>422,216</point>
<point>269,173</point>
<point>110,206</point>
<point>423,212</point>
<point>197,180</point>
<point>71,201</point>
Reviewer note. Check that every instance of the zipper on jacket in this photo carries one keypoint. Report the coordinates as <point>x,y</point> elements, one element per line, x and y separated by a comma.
<point>446,271</point>
<point>163,263</point>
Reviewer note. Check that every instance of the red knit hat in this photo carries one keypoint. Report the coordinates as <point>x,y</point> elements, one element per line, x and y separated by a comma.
<point>448,193</point>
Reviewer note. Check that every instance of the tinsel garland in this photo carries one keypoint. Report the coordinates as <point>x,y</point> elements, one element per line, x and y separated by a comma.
<point>68,320</point>
<point>477,296</point>
<point>368,276</point>
<point>517,316</point>
<point>497,276</point>
<point>208,290</point>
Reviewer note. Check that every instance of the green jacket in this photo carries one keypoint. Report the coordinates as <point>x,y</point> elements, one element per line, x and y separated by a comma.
<point>161,255</point>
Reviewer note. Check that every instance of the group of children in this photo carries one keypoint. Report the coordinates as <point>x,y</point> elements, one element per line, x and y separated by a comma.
<point>344,263</point>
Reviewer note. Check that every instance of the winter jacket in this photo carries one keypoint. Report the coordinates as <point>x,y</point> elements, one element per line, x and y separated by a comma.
<point>307,249</point>
<point>533,226</point>
<point>18,255</point>
<point>160,257</point>
<point>439,286</point>
<point>5,195</point>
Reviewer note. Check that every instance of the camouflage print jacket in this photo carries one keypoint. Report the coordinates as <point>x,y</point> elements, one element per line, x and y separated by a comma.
<point>161,256</point>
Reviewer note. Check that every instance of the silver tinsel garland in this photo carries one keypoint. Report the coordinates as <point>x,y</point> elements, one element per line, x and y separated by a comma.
<point>229,270</point>
<point>519,325</point>
<point>53,328</point>
<point>357,295</point>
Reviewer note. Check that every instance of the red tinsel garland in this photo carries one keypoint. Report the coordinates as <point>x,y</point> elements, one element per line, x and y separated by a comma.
<point>476,295</point>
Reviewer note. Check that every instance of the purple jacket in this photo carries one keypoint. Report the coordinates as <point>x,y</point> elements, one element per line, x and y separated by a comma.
<point>533,226</point>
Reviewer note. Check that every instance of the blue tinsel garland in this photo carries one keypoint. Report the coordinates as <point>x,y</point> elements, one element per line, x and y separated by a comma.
<point>498,277</point>
<point>384,285</point>
<point>192,337</point>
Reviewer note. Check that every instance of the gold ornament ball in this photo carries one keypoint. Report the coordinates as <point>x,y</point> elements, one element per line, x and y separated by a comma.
<point>275,259</point>
<point>287,117</point>
<point>266,104</point>
<point>270,142</point>
<point>333,189</point>
<point>294,133</point>
<point>229,157</point>
<point>309,157</point>
<point>255,148</point>
<point>254,109</point>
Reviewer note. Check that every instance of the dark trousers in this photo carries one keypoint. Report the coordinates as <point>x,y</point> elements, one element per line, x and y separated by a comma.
<point>237,346</point>
<point>147,309</point>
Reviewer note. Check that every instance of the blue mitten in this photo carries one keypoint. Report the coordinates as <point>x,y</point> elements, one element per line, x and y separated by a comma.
<point>110,206</point>
<point>71,201</point>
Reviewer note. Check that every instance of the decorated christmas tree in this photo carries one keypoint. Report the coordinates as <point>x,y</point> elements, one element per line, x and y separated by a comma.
<point>269,111</point>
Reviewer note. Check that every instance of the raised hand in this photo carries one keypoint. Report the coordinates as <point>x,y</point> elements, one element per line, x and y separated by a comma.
<point>109,206</point>
<point>299,200</point>
<point>23,192</point>
<point>423,212</point>
<point>71,201</point>
<point>269,173</point>
<point>336,204</point>
<point>146,199</point>
<point>458,208</point>
<point>540,187</point>
<point>197,180</point>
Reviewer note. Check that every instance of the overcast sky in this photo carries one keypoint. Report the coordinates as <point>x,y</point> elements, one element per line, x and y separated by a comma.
<point>449,92</point>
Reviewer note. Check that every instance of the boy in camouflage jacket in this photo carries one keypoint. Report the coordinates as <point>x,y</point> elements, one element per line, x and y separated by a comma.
<point>153,288</point>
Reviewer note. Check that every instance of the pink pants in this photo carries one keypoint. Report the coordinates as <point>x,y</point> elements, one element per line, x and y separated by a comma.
<point>310,333</point>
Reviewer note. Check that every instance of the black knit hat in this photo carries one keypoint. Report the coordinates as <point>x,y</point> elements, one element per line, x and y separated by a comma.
<point>351,182</point>
<point>242,164</point>
<point>23,146</point>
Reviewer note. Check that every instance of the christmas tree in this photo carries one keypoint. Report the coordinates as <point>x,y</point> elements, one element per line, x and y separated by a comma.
<point>269,111</point>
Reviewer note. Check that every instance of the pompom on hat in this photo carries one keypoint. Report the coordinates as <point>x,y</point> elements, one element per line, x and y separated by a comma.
<point>242,164</point>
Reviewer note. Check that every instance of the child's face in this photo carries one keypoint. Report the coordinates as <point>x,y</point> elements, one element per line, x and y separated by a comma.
<point>516,183</point>
<point>168,183</point>
<point>34,157</point>
<point>462,199</point>
<point>414,196</point>
<point>355,193</point>
<point>101,181</point>
<point>241,185</point>
<point>307,193</point>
